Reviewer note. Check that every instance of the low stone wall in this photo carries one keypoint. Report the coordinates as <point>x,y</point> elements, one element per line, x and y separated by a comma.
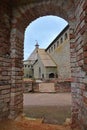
<point>47,86</point>
<point>35,87</point>
<point>63,86</point>
<point>27,86</point>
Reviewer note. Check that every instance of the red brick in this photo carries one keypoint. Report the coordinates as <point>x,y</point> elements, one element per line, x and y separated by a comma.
<point>85,67</point>
<point>85,47</point>
<point>82,30</point>
<point>85,60</point>
<point>85,5</point>
<point>85,53</point>
<point>72,36</point>
<point>85,100</point>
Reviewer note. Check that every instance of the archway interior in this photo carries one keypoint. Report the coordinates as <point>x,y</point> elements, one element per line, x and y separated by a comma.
<point>42,30</point>
<point>43,111</point>
<point>21,17</point>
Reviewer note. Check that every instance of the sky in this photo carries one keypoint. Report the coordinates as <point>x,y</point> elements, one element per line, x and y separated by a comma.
<point>42,30</point>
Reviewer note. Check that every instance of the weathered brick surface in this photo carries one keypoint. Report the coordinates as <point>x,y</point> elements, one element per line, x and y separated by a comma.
<point>4,29</point>
<point>28,86</point>
<point>57,86</point>
<point>5,87</point>
<point>5,61</point>
<point>79,109</point>
<point>63,86</point>
<point>13,21</point>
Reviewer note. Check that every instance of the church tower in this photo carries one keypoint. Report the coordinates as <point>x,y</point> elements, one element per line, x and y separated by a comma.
<point>37,47</point>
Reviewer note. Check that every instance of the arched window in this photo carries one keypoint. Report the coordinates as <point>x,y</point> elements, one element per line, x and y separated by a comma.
<point>51,75</point>
<point>51,48</point>
<point>39,72</point>
<point>57,43</point>
<point>66,36</point>
<point>61,40</point>
<point>54,46</point>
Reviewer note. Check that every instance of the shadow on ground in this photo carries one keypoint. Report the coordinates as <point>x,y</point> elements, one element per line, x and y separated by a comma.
<point>49,114</point>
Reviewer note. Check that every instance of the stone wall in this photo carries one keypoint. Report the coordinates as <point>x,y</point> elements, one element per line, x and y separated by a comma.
<point>27,86</point>
<point>64,86</point>
<point>61,55</point>
<point>52,86</point>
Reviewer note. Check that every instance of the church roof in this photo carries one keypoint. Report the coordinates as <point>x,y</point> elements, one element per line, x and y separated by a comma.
<point>59,35</point>
<point>33,57</point>
<point>46,59</point>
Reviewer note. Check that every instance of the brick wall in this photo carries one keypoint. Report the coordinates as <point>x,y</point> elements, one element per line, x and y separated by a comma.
<point>16,104</point>
<point>79,93</point>
<point>52,86</point>
<point>64,86</point>
<point>5,61</point>
<point>28,86</point>
<point>15,21</point>
<point>5,87</point>
<point>21,16</point>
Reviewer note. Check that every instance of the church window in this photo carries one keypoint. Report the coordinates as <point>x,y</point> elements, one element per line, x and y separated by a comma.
<point>57,43</point>
<point>54,46</point>
<point>61,40</point>
<point>51,75</point>
<point>39,72</point>
<point>66,36</point>
<point>51,48</point>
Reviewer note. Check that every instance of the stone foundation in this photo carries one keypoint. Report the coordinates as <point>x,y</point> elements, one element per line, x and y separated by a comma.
<point>51,87</point>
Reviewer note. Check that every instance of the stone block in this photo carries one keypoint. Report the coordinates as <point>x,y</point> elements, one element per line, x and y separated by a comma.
<point>46,87</point>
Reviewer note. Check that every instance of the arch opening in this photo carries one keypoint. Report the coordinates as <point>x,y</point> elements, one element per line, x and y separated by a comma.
<point>15,17</point>
<point>18,29</point>
<point>41,73</point>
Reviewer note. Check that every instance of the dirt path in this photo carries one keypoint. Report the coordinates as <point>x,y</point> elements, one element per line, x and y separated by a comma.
<point>23,123</point>
<point>54,108</point>
<point>47,99</point>
<point>27,124</point>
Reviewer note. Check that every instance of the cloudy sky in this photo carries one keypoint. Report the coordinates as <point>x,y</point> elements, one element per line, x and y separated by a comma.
<point>43,30</point>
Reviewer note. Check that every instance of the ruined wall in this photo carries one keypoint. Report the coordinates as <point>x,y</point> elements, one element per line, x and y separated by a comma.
<point>5,61</point>
<point>16,103</point>
<point>11,73</point>
<point>79,68</point>
<point>21,16</point>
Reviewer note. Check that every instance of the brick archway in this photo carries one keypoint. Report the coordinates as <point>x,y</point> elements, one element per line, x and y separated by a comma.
<point>15,18</point>
<point>22,16</point>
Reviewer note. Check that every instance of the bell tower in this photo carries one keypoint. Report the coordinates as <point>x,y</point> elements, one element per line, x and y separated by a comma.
<point>37,46</point>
